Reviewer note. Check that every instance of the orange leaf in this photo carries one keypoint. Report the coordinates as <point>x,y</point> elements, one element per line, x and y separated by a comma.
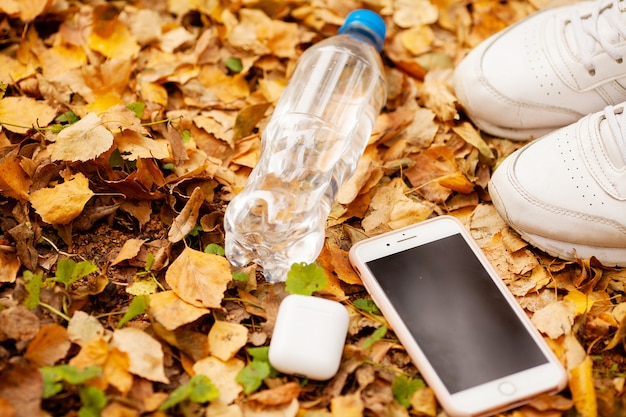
<point>129,250</point>
<point>199,278</point>
<point>116,371</point>
<point>14,182</point>
<point>50,345</point>
<point>172,312</point>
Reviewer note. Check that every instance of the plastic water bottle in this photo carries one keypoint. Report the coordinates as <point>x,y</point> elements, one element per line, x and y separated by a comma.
<point>310,147</point>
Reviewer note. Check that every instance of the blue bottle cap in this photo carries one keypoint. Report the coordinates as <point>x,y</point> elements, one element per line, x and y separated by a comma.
<point>367,24</point>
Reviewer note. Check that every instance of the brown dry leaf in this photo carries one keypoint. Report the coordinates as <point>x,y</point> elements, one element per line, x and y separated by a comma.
<point>50,345</point>
<point>82,141</point>
<point>583,390</point>
<point>281,395</point>
<point>199,278</point>
<point>20,114</point>
<point>424,403</point>
<point>555,319</point>
<point>22,386</point>
<point>14,181</point>
<point>334,259</point>
<point>227,88</point>
<point>144,352</point>
<point>391,208</point>
<point>436,174</point>
<point>437,95</point>
<point>187,218</point>
<point>133,146</point>
<point>222,375</point>
<point>226,339</point>
<point>64,202</point>
<point>410,13</point>
<point>19,323</point>
<point>367,164</point>
<point>469,133</point>
<point>172,312</point>
<point>248,118</point>
<point>350,405</point>
<point>258,34</point>
<point>129,250</point>
<point>9,265</point>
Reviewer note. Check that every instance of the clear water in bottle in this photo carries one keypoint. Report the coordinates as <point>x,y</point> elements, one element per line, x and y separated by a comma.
<point>310,147</point>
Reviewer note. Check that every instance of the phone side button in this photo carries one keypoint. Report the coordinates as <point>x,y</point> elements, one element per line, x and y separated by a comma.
<point>507,388</point>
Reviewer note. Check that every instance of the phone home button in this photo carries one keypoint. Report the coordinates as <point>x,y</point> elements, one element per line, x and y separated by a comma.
<point>507,388</point>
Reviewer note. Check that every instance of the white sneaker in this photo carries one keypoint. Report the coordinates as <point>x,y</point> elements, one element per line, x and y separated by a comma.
<point>547,71</point>
<point>565,193</point>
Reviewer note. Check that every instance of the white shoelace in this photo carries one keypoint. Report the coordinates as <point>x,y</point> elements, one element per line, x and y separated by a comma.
<point>590,31</point>
<point>616,118</point>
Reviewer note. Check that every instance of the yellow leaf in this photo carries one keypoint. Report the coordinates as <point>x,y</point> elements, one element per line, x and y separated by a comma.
<point>116,371</point>
<point>418,40</point>
<point>226,339</point>
<point>172,312</point>
<point>119,44</point>
<point>63,203</point>
<point>583,390</point>
<point>199,278</point>
<point>83,141</point>
<point>93,353</point>
<point>133,146</point>
<point>104,102</point>
<point>129,250</point>
<point>227,88</point>
<point>20,114</point>
<point>582,301</point>
<point>222,375</point>
<point>144,353</point>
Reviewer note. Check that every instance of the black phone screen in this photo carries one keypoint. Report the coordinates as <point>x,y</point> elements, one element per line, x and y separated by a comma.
<point>456,313</point>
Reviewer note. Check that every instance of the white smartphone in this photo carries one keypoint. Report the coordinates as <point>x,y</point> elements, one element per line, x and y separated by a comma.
<point>471,341</point>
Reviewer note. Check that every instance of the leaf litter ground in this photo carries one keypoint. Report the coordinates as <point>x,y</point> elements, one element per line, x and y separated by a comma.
<point>127,127</point>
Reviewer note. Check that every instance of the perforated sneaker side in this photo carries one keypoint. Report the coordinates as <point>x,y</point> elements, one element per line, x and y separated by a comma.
<point>546,71</point>
<point>565,193</point>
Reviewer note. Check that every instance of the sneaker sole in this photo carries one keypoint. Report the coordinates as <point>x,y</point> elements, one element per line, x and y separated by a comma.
<point>609,257</point>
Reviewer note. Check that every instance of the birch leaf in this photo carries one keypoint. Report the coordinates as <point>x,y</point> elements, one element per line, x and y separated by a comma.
<point>82,141</point>
<point>20,114</point>
<point>199,278</point>
<point>63,203</point>
<point>172,312</point>
<point>144,352</point>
